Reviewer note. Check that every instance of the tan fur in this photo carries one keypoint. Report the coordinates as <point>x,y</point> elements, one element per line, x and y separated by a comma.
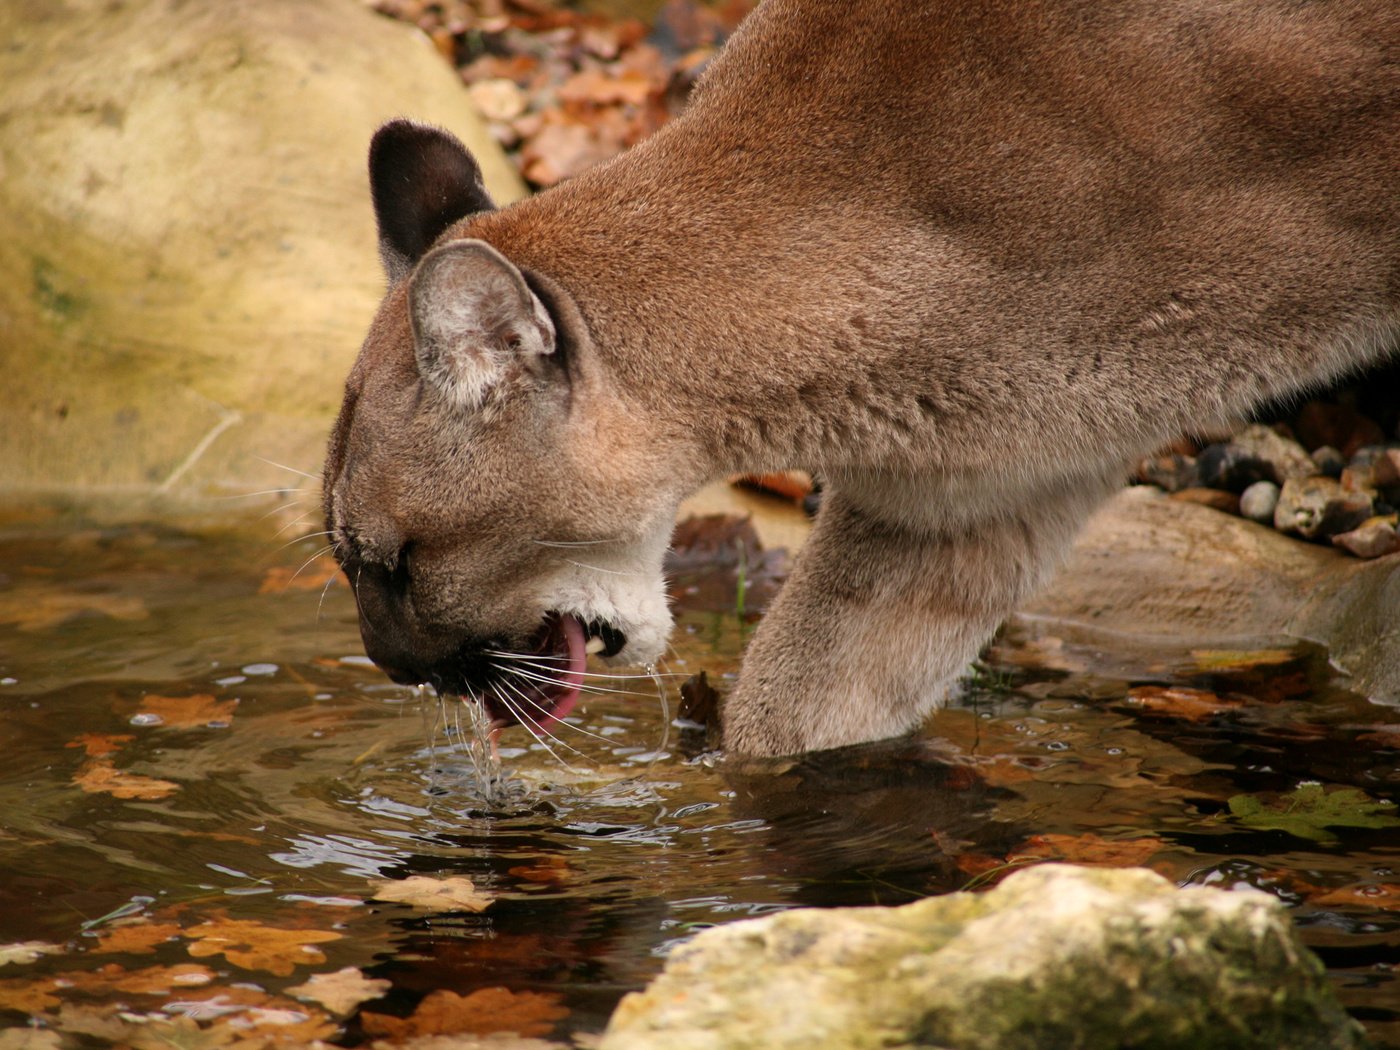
<point>961,259</point>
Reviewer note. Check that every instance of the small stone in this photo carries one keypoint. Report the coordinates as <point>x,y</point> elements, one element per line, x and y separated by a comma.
<point>1213,498</point>
<point>1329,462</point>
<point>1374,538</point>
<point>1386,468</point>
<point>1257,502</point>
<point>1229,468</point>
<point>1286,457</point>
<point>1319,508</point>
<point>1171,473</point>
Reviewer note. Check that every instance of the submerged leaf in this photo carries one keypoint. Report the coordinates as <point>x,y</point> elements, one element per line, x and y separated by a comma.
<point>483,1012</point>
<point>1309,810</point>
<point>99,776</point>
<point>1090,849</point>
<point>188,712</point>
<point>254,946</point>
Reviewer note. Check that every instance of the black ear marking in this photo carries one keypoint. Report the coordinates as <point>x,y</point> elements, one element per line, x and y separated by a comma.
<point>422,180</point>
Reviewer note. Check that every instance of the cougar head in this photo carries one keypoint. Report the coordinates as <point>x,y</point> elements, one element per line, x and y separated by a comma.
<point>491,495</point>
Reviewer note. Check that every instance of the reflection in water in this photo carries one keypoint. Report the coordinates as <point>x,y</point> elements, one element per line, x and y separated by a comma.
<point>196,745</point>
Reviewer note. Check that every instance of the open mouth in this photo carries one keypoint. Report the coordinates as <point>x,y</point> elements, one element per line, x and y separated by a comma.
<point>540,686</point>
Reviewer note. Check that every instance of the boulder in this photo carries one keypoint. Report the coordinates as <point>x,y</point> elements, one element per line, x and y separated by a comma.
<point>188,259</point>
<point>1056,956</point>
<point>1147,567</point>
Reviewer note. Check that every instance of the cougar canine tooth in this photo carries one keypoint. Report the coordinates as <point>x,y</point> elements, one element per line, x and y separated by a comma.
<point>594,645</point>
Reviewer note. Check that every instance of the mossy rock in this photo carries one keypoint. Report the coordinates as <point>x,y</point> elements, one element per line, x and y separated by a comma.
<point>187,249</point>
<point>1055,958</point>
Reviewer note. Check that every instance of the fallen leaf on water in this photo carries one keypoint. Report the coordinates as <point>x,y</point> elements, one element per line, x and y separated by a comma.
<point>340,992</point>
<point>483,1012</point>
<point>187,712</point>
<point>99,744</point>
<point>1309,810</point>
<point>1240,659</point>
<point>27,951</point>
<point>152,980</point>
<point>135,938</point>
<point>99,776</point>
<point>1382,895</point>
<point>1089,849</point>
<point>271,1019</point>
<point>254,946</point>
<point>423,891</point>
<point>29,996</point>
<point>1194,705</point>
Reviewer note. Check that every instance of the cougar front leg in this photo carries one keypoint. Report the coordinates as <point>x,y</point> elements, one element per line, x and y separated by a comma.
<point>878,619</point>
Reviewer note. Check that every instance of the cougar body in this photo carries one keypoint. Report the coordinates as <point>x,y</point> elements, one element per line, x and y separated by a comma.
<point>961,260</point>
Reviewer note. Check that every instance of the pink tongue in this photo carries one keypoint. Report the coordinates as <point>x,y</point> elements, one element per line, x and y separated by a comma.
<point>572,677</point>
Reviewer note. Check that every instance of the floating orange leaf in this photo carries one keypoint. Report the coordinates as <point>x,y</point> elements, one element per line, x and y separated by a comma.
<point>423,891</point>
<point>135,938</point>
<point>1194,705</point>
<point>188,712</point>
<point>99,776</point>
<point>548,870</point>
<point>1089,849</point>
<point>99,744</point>
<point>482,1012</point>
<point>29,996</point>
<point>254,946</point>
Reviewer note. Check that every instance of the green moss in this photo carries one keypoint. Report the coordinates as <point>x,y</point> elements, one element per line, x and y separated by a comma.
<point>58,301</point>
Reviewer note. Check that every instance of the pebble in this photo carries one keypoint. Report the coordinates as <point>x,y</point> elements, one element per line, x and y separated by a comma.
<point>1256,453</point>
<point>1257,503</point>
<point>1341,426</point>
<point>1319,508</point>
<point>1372,539</point>
<point>1330,463</point>
<point>1171,473</point>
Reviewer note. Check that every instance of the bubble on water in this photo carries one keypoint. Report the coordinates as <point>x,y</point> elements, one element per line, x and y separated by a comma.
<point>261,669</point>
<point>146,718</point>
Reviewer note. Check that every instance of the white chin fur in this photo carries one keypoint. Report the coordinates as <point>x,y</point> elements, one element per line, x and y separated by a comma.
<point>623,588</point>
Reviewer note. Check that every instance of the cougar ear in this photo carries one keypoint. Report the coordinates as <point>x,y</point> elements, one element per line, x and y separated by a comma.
<point>473,315</point>
<point>422,180</point>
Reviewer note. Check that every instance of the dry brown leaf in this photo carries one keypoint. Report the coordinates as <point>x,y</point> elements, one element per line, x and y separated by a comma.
<point>340,992</point>
<point>99,776</point>
<point>139,937</point>
<point>1089,849</point>
<point>152,980</point>
<point>423,891</point>
<point>483,1012</point>
<point>1194,705</point>
<point>188,712</point>
<point>254,946</point>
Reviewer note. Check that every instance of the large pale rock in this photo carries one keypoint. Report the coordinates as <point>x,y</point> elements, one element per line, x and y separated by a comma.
<point>1148,567</point>
<point>187,248</point>
<point>1055,957</point>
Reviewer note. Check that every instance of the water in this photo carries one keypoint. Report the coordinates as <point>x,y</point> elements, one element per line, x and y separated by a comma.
<point>204,778</point>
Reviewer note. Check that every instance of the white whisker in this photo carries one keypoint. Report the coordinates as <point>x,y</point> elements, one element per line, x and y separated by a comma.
<point>575,543</point>
<point>524,723</point>
<point>598,568</point>
<point>290,470</point>
<point>547,680</point>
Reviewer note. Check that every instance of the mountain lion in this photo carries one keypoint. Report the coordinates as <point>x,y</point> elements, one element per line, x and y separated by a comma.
<point>962,259</point>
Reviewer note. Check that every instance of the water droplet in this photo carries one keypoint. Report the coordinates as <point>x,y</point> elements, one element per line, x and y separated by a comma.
<point>261,669</point>
<point>145,718</point>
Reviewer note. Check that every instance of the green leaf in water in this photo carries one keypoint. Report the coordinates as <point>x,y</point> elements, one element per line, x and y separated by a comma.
<point>1309,810</point>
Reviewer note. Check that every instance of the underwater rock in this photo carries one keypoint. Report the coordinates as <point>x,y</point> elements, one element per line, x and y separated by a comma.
<point>1055,956</point>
